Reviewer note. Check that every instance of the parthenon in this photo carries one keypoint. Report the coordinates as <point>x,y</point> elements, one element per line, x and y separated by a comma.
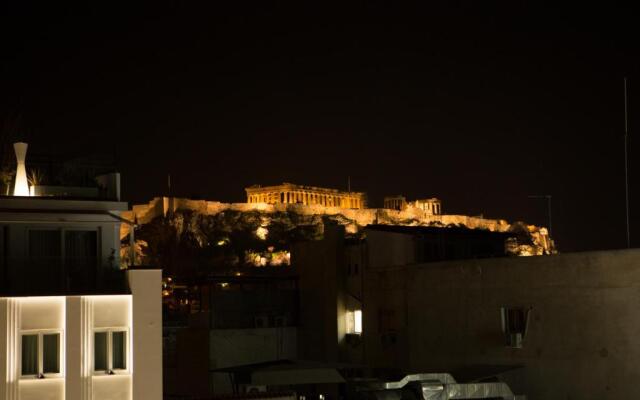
<point>289,193</point>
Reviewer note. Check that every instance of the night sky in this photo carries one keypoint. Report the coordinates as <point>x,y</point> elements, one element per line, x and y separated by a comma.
<point>478,105</point>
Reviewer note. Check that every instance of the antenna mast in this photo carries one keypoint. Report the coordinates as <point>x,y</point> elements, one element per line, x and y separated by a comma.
<point>626,161</point>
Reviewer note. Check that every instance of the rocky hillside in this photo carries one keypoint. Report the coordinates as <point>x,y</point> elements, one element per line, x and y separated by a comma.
<point>209,237</point>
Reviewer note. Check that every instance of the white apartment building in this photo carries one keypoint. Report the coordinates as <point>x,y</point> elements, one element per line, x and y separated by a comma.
<point>73,324</point>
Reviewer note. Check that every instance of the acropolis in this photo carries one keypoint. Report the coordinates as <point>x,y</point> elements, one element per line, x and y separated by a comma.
<point>347,208</point>
<point>289,193</point>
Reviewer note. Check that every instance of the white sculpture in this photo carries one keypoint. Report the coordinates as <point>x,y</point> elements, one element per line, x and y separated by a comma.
<point>22,185</point>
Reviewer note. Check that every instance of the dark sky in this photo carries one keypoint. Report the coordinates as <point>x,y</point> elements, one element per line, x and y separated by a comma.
<point>478,105</point>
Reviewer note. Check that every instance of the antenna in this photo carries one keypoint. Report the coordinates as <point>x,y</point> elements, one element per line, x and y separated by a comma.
<point>626,161</point>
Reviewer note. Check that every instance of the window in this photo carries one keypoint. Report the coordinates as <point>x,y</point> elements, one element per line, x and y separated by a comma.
<point>4,250</point>
<point>354,322</point>
<point>40,354</point>
<point>514,325</point>
<point>81,255</point>
<point>110,350</point>
<point>63,258</point>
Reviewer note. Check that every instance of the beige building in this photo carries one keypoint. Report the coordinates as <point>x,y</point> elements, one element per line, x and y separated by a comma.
<point>432,206</point>
<point>552,327</point>
<point>289,193</point>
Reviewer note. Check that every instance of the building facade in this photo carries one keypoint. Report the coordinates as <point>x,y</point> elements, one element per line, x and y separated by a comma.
<point>74,325</point>
<point>222,322</point>
<point>555,327</point>
<point>289,193</point>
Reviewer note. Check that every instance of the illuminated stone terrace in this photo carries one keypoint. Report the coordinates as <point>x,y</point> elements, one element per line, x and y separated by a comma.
<point>289,193</point>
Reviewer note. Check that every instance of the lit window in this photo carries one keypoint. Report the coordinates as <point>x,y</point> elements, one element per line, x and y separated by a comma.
<point>40,354</point>
<point>354,322</point>
<point>357,319</point>
<point>110,351</point>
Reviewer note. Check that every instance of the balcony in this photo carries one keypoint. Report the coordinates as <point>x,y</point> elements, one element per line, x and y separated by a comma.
<point>56,277</point>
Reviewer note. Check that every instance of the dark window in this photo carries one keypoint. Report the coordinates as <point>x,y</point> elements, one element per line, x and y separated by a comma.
<point>514,325</point>
<point>100,351</point>
<point>40,354</point>
<point>29,354</point>
<point>515,320</point>
<point>119,350</point>
<point>81,255</point>
<point>45,254</point>
<point>51,353</point>
<point>110,351</point>
<point>4,256</point>
<point>44,245</point>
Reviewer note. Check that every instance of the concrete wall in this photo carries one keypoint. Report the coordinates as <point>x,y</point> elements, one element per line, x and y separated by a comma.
<point>583,329</point>
<point>387,249</point>
<point>327,294</point>
<point>198,351</point>
<point>231,347</point>
<point>320,265</point>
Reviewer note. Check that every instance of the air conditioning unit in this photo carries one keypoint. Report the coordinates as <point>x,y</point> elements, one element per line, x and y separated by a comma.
<point>255,389</point>
<point>514,340</point>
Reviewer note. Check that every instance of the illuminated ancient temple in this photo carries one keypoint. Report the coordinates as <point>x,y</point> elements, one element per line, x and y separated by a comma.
<point>289,193</point>
<point>431,206</point>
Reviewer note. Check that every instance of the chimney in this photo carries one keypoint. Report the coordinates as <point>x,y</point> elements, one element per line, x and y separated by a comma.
<point>22,186</point>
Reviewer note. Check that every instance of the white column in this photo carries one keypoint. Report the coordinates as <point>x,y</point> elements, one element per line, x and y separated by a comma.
<point>11,314</point>
<point>147,333</point>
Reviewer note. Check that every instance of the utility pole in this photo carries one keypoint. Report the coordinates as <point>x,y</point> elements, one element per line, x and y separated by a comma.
<point>626,162</point>
<point>548,197</point>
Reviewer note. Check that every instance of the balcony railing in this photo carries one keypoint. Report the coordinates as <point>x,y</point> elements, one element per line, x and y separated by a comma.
<point>53,276</point>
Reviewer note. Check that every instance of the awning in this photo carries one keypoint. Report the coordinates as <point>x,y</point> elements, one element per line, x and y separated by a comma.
<point>288,372</point>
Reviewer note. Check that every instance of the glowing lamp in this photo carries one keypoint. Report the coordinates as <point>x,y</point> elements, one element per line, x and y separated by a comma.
<point>22,185</point>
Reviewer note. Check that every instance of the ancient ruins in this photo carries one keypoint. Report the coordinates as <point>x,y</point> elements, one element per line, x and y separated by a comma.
<point>345,208</point>
<point>430,206</point>
<point>289,193</point>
